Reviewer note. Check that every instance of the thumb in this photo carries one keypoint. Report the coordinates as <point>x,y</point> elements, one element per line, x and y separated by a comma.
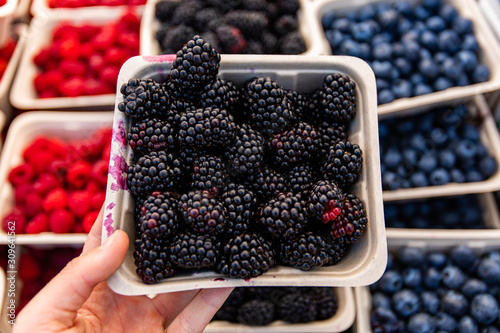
<point>58,302</point>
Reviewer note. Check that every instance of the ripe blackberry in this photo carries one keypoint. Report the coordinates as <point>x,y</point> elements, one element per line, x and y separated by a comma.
<point>209,173</point>
<point>231,40</point>
<point>297,308</point>
<point>269,109</point>
<point>159,216</point>
<point>250,23</point>
<point>246,256</point>
<point>245,156</point>
<point>172,38</point>
<point>219,93</point>
<point>188,250</point>
<point>306,252</point>
<point>338,98</point>
<point>239,203</point>
<point>329,135</point>
<point>206,127</point>
<point>267,183</point>
<point>157,171</point>
<point>256,313</point>
<point>283,216</point>
<point>202,22</point>
<point>301,178</point>
<point>185,13</point>
<point>269,43</point>
<point>256,5</point>
<point>229,310</point>
<point>299,103</point>
<point>312,112</point>
<point>136,98</point>
<point>151,134</point>
<point>164,10</point>
<point>293,146</point>
<point>151,260</point>
<point>285,24</point>
<point>352,223</point>
<point>293,43</point>
<point>326,201</point>
<point>325,301</point>
<point>196,64</point>
<point>289,6</point>
<point>343,163</point>
<point>202,213</point>
<point>225,5</point>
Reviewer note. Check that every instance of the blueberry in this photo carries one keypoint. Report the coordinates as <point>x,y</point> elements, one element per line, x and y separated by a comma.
<point>490,329</point>
<point>426,122</point>
<point>387,18</point>
<point>384,320</point>
<point>448,12</point>
<point>452,277</point>
<point>462,255</point>
<point>436,23</point>
<point>404,25</point>
<point>421,323</point>
<point>432,278</point>
<point>381,300</point>
<point>404,67</point>
<point>440,57</point>
<point>473,286</point>
<point>391,181</point>
<point>451,220</point>
<point>462,25</point>
<point>457,176</point>
<point>365,30</point>
<point>439,136</point>
<point>454,302</point>
<point>432,4</point>
<point>411,157</point>
<point>443,83</point>
<point>419,179</point>
<point>412,277</point>
<point>365,13</point>
<point>405,302</point>
<point>481,150</point>
<point>430,302</point>
<point>440,176</point>
<point>429,40</point>
<point>385,96</point>
<point>342,24</point>
<point>328,18</point>
<point>463,80</point>
<point>474,176</point>
<point>420,143</point>
<point>420,223</point>
<point>449,41</point>
<point>390,211</point>
<point>351,48</point>
<point>453,117</point>
<point>412,48</point>
<point>447,159</point>
<point>465,149</point>
<point>467,59</point>
<point>445,322</point>
<point>402,88</point>
<point>428,162</point>
<point>404,171</point>
<point>382,69</point>
<point>426,54</point>
<point>382,51</point>
<point>494,255</point>
<point>470,43</point>
<point>412,256</point>
<point>335,38</point>
<point>383,37</point>
<point>390,282</point>
<point>422,89</point>
<point>467,325</point>
<point>480,74</point>
<point>392,158</point>
<point>452,68</point>
<point>382,84</point>
<point>390,261</point>
<point>421,13</point>
<point>489,271</point>
<point>428,68</point>
<point>436,259</point>
<point>404,8</point>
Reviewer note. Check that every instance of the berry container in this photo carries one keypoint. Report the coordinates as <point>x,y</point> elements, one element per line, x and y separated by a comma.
<point>149,26</point>
<point>490,137</point>
<point>491,11</point>
<point>340,322</point>
<point>489,49</point>
<point>23,130</point>
<point>481,245</point>
<point>7,12</point>
<point>365,261</point>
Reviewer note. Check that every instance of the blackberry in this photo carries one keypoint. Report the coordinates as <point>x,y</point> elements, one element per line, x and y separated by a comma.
<point>136,98</point>
<point>159,100</point>
<point>330,134</point>
<point>164,10</point>
<point>196,64</point>
<point>158,216</point>
<point>269,43</point>
<point>285,24</point>
<point>352,223</point>
<point>301,178</point>
<point>293,146</point>
<point>326,201</point>
<point>334,251</point>
<point>219,93</point>
<point>293,43</point>
<point>209,173</point>
<point>261,293</point>
<point>231,40</point>
<point>224,5</point>
<point>157,171</point>
<point>267,183</point>
<point>299,103</point>
<point>246,155</point>
<point>239,203</point>
<point>255,5</point>
<point>151,260</point>
<point>325,301</point>
<point>312,112</point>
<point>185,13</point>
<point>151,134</point>
<point>269,109</point>
<point>289,6</point>
<point>256,313</point>
<point>297,308</point>
<point>254,47</point>
<point>246,256</point>
<point>206,127</point>
<point>172,39</point>
<point>188,250</point>
<point>250,23</point>
<point>283,216</point>
<point>306,252</point>
<point>203,19</point>
<point>343,163</point>
<point>229,310</point>
<point>202,213</point>
<point>338,98</point>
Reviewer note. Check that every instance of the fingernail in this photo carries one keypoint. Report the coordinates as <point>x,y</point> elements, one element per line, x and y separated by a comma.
<point>109,242</point>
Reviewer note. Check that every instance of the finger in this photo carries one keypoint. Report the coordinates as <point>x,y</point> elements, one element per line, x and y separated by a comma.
<point>198,313</point>
<point>57,303</point>
<point>171,304</point>
<point>94,237</point>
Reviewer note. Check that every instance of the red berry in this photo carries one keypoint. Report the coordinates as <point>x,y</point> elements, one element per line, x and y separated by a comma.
<point>69,48</point>
<point>20,193</point>
<point>46,182</point>
<point>96,62</point>
<point>61,221</point>
<point>88,220</point>
<point>48,94</point>
<point>14,221</point>
<point>33,204</point>
<point>79,203</point>
<point>100,172</point>
<point>106,153</point>
<point>97,200</point>
<point>55,200</point>
<point>79,174</point>
<point>93,187</point>
<point>109,74</point>
<point>72,68</point>
<point>42,57</point>
<point>38,224</point>
<point>72,87</point>
<point>29,269</point>
<point>21,174</point>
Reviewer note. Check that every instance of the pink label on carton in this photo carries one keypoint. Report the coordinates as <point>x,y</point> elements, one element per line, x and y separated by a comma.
<point>160,58</point>
<point>108,224</point>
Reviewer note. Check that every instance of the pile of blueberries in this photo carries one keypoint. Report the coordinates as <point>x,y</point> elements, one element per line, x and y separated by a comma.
<point>462,212</point>
<point>436,147</point>
<point>413,48</point>
<point>451,291</point>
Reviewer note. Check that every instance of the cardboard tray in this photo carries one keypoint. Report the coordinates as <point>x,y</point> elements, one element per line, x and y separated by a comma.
<point>366,259</point>
<point>25,128</point>
<point>490,138</point>
<point>489,46</point>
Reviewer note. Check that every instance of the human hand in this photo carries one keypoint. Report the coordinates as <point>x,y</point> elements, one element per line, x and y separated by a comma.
<point>78,299</point>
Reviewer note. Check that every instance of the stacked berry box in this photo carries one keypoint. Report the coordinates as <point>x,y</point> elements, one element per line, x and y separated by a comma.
<point>361,264</point>
<point>63,127</point>
<point>420,76</point>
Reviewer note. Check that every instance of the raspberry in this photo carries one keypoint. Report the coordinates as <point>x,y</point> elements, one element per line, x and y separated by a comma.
<point>40,161</point>
<point>38,224</point>
<point>14,221</point>
<point>55,199</point>
<point>93,187</point>
<point>72,67</point>
<point>33,204</point>
<point>79,174</point>
<point>100,172</point>
<point>45,182</point>
<point>61,221</point>
<point>22,174</point>
<point>72,87</point>
<point>29,268</point>
<point>88,221</point>
<point>97,200</point>
<point>20,193</point>
<point>79,203</point>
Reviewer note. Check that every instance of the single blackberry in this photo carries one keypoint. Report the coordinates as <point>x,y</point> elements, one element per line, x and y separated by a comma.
<point>151,134</point>
<point>160,100</point>
<point>256,5</point>
<point>343,163</point>
<point>289,6</point>
<point>285,24</point>
<point>196,64</point>
<point>334,251</point>
<point>325,301</point>
<point>293,146</point>
<point>256,313</point>
<point>293,43</point>
<point>185,13</point>
<point>299,103</point>
<point>202,213</point>
<point>254,47</point>
<point>266,102</point>
<point>187,155</point>
<point>231,40</point>
<point>136,98</point>
<point>338,98</point>
<point>165,9</point>
<point>261,293</point>
<point>312,112</point>
<point>330,134</point>
<point>206,127</point>
<point>305,252</point>
<point>326,201</point>
<point>219,93</point>
<point>209,173</point>
<point>297,308</point>
<point>188,250</point>
<point>180,100</point>
<point>159,216</point>
<point>156,171</point>
<point>269,43</point>
<point>239,203</point>
<point>246,256</point>
<point>351,225</point>
<point>301,178</point>
<point>246,155</point>
<point>250,23</point>
<point>229,310</point>
<point>225,5</point>
<point>267,183</point>
<point>283,216</point>
<point>174,37</point>
<point>202,21</point>
<point>151,260</point>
